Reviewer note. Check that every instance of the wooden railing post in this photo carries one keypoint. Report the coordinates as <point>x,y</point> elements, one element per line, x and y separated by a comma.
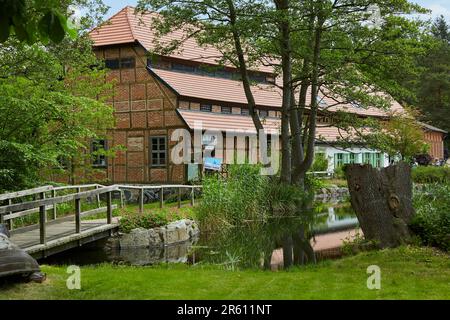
<point>179,197</point>
<point>42,221</point>
<point>108,208</point>
<point>141,201</point>
<point>161,197</point>
<point>10,221</point>
<point>77,215</point>
<point>54,205</point>
<point>192,197</point>
<point>98,197</point>
<point>122,201</point>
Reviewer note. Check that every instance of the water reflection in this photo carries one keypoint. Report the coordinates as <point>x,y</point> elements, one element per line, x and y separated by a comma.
<point>255,244</point>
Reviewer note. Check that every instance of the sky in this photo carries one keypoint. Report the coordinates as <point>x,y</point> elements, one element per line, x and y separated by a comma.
<point>438,7</point>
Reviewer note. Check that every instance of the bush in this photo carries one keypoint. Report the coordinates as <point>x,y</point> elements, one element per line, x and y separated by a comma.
<point>320,162</point>
<point>240,196</point>
<point>155,218</point>
<point>431,174</point>
<point>432,220</point>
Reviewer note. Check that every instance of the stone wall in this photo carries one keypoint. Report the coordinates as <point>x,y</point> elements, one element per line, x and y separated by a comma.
<point>175,232</point>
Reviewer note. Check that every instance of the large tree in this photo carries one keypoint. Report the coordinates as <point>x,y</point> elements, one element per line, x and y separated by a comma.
<point>319,48</point>
<point>49,105</point>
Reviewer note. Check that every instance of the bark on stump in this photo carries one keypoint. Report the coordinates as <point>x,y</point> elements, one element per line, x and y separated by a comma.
<point>382,201</point>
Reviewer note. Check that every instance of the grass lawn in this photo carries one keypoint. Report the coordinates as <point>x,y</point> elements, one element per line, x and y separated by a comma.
<point>406,273</point>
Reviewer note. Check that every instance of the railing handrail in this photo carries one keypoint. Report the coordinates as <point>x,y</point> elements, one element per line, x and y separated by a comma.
<point>125,186</point>
<point>60,199</point>
<point>23,193</point>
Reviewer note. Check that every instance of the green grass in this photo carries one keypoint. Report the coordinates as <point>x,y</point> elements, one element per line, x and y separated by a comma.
<point>406,273</point>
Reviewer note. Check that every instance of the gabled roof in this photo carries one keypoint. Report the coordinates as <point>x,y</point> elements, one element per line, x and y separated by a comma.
<point>128,27</point>
<point>431,128</point>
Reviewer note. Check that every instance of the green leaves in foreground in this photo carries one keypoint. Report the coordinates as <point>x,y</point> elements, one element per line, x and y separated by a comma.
<point>31,21</point>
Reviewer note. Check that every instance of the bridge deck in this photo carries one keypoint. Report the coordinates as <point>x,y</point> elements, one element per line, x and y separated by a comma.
<point>61,235</point>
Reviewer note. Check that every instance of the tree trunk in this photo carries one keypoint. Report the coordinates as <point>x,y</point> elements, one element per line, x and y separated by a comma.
<point>382,200</point>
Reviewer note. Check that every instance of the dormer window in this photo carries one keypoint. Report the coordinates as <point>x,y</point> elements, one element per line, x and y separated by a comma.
<point>205,107</point>
<point>263,113</point>
<point>226,110</point>
<point>123,63</point>
<point>245,112</point>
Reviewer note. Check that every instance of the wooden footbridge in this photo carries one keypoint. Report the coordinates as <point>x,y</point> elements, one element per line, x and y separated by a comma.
<point>56,232</point>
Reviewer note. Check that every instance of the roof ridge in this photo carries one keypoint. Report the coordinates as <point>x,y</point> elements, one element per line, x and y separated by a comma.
<point>129,22</point>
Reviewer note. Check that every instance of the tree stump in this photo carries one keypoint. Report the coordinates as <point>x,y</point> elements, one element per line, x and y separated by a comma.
<point>382,201</point>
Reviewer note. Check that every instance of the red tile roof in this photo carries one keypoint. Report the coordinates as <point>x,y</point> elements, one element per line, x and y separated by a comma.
<point>217,89</point>
<point>128,27</point>
<point>240,123</point>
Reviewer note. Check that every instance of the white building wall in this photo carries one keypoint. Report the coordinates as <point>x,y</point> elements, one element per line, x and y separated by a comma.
<point>330,151</point>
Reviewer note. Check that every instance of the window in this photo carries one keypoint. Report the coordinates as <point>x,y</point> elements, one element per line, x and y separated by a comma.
<point>226,109</point>
<point>338,160</point>
<point>158,151</point>
<point>205,107</point>
<point>321,102</point>
<point>98,148</point>
<point>263,113</point>
<point>374,159</point>
<point>182,67</point>
<point>112,64</point>
<point>245,112</point>
<point>127,63</point>
<point>124,63</point>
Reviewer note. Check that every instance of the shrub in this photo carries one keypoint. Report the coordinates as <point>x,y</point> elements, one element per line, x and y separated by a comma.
<point>432,220</point>
<point>320,162</point>
<point>155,218</point>
<point>240,196</point>
<point>431,174</point>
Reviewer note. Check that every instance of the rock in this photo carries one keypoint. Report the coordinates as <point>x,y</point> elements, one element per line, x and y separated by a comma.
<point>177,231</point>
<point>154,237</point>
<point>136,238</point>
<point>38,277</point>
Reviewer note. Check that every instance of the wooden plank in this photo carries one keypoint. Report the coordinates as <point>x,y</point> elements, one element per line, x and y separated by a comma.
<point>28,192</point>
<point>141,200</point>
<point>108,208</point>
<point>77,215</point>
<point>96,211</point>
<point>24,213</point>
<point>60,199</point>
<point>54,206</point>
<point>42,221</point>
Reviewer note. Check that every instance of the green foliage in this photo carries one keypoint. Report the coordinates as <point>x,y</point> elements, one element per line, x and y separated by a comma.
<point>241,196</point>
<point>151,219</point>
<point>431,174</point>
<point>33,20</point>
<point>51,107</point>
<point>320,162</point>
<point>400,137</point>
<point>246,195</point>
<point>146,221</point>
<point>432,220</point>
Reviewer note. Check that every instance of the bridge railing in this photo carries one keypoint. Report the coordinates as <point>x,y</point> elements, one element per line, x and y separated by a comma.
<point>47,191</point>
<point>12,211</point>
<point>161,188</point>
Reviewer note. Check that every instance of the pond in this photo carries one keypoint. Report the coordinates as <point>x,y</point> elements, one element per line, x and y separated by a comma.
<point>278,241</point>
